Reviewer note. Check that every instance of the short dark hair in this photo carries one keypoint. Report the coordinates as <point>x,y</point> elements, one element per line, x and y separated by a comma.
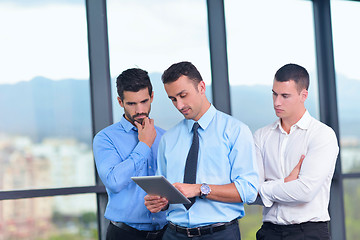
<point>294,72</point>
<point>133,80</point>
<point>175,71</point>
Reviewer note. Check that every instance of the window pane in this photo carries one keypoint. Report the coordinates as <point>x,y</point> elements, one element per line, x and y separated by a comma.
<point>262,36</point>
<point>45,123</point>
<point>347,58</point>
<point>152,35</point>
<point>69,217</point>
<point>352,215</point>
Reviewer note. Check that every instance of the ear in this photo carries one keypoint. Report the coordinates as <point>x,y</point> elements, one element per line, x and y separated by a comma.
<point>120,102</point>
<point>304,94</point>
<point>202,87</point>
<point>152,97</point>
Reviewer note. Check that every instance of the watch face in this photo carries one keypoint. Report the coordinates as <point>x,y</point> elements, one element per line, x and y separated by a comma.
<point>205,189</point>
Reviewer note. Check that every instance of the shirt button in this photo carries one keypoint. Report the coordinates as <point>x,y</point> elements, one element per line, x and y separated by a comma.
<point>150,167</point>
<point>153,219</point>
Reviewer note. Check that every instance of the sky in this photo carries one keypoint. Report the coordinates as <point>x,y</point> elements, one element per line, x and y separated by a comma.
<point>49,38</point>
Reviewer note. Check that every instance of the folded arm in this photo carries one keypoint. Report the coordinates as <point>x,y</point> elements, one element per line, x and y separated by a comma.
<point>318,165</point>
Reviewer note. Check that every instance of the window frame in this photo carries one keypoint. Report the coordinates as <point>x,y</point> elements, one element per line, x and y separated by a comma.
<point>101,104</point>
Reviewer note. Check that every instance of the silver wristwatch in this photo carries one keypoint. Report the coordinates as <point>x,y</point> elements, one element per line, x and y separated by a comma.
<point>204,190</point>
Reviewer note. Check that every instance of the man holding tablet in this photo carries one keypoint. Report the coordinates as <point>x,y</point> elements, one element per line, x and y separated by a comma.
<point>126,149</point>
<point>210,158</point>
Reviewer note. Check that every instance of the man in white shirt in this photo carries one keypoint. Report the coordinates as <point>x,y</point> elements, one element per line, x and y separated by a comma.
<point>296,159</point>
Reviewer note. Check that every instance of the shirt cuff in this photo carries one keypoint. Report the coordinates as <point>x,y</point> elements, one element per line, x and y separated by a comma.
<point>266,192</point>
<point>246,190</point>
<point>143,151</point>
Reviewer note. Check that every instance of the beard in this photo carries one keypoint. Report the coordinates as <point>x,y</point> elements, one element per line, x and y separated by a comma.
<point>133,117</point>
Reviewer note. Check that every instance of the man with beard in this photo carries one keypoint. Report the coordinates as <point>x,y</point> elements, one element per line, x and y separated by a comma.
<point>126,149</point>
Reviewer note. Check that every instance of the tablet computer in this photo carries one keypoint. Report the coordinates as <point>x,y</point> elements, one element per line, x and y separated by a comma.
<point>159,185</point>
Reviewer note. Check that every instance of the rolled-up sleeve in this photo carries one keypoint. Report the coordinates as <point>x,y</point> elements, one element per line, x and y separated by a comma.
<point>244,171</point>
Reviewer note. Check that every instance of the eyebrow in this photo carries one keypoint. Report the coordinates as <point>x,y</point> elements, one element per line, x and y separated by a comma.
<point>181,92</point>
<point>146,99</point>
<point>282,94</point>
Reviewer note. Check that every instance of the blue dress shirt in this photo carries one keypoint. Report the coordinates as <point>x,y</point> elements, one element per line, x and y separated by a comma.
<point>226,155</point>
<point>119,156</point>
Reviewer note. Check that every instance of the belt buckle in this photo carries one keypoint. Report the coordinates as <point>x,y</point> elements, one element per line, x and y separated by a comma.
<point>189,234</point>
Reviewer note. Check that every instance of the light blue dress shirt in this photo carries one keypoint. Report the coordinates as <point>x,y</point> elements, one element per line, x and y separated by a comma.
<point>226,155</point>
<point>119,156</point>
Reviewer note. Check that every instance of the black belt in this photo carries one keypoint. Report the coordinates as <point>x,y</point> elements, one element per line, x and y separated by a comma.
<point>198,231</point>
<point>295,227</point>
<point>146,234</point>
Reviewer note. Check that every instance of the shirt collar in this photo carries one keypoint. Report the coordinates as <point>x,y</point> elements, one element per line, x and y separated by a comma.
<point>303,123</point>
<point>127,125</point>
<point>204,121</point>
<point>277,124</point>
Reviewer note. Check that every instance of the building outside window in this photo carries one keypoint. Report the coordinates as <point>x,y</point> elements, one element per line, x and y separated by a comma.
<point>45,122</point>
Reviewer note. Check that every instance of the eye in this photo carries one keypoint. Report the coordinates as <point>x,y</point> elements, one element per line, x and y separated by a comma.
<point>183,95</point>
<point>130,103</point>
<point>285,96</point>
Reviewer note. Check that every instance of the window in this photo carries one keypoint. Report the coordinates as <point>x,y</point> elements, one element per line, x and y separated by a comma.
<point>164,35</point>
<point>346,53</point>
<point>69,217</point>
<point>347,57</point>
<point>45,127</point>
<point>45,123</point>
<point>260,41</point>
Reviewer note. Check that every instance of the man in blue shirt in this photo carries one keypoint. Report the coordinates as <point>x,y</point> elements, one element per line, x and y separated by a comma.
<point>125,149</point>
<point>226,175</point>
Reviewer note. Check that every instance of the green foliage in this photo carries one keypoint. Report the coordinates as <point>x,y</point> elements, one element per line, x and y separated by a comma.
<point>352,215</point>
<point>66,236</point>
<point>83,227</point>
<point>88,217</point>
<point>251,223</point>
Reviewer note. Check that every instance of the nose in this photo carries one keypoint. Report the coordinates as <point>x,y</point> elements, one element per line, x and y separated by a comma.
<point>179,104</point>
<point>277,100</point>
<point>139,108</point>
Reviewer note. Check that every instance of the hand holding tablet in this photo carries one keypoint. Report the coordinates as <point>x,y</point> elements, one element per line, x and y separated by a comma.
<point>159,185</point>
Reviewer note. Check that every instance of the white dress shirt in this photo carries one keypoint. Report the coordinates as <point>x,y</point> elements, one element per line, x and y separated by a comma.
<point>307,198</point>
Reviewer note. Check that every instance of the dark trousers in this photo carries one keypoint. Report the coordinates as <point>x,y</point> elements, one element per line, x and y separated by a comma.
<point>231,232</point>
<point>117,233</point>
<point>303,231</point>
